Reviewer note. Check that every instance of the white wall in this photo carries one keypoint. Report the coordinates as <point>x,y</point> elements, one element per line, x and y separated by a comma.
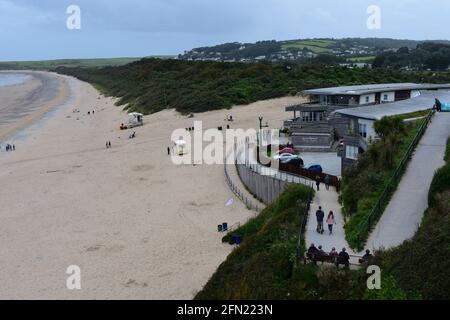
<point>390,96</point>
<point>415,93</point>
<point>362,99</point>
<point>371,134</point>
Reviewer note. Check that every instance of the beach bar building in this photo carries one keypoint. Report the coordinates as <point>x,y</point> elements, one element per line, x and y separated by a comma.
<point>326,118</point>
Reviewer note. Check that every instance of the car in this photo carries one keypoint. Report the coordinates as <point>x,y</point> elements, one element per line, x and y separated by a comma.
<point>295,161</point>
<point>285,157</point>
<point>286,150</point>
<point>314,167</point>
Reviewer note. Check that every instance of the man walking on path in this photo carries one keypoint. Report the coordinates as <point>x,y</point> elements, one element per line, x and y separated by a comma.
<point>318,183</point>
<point>327,182</point>
<point>320,215</point>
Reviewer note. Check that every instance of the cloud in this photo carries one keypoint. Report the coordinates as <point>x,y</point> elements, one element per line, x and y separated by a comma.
<point>37,28</point>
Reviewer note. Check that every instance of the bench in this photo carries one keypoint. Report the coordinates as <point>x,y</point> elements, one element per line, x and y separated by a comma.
<point>325,258</point>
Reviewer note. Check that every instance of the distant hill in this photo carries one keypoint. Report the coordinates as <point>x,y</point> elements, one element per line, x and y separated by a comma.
<point>347,49</point>
<point>69,63</point>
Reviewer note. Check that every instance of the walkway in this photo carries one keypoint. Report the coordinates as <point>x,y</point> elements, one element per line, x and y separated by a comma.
<point>404,213</point>
<point>328,200</point>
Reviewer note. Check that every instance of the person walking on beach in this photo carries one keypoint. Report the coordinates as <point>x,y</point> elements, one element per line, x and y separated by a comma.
<point>168,151</point>
<point>109,144</point>
<point>327,182</point>
<point>320,215</point>
<point>331,221</point>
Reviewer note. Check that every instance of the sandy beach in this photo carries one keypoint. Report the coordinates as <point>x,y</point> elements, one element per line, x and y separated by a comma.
<point>138,226</point>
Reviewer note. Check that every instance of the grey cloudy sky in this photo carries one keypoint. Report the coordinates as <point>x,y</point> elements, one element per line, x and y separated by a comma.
<point>36,29</point>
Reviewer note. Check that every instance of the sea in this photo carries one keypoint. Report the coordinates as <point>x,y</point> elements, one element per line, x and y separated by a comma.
<point>11,79</point>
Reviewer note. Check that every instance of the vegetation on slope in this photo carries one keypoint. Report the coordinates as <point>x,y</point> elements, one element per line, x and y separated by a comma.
<point>151,85</point>
<point>421,264</point>
<point>364,182</point>
<point>264,266</point>
<point>429,55</point>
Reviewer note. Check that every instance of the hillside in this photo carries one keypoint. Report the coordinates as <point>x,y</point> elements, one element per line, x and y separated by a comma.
<point>347,50</point>
<point>152,85</point>
<point>421,264</point>
<point>263,266</point>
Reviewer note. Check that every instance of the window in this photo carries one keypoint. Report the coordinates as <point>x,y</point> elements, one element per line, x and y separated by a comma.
<point>351,152</point>
<point>363,130</point>
<point>367,99</point>
<point>385,97</point>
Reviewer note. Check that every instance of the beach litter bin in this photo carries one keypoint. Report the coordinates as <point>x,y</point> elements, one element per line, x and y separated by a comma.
<point>224,226</point>
<point>219,228</point>
<point>237,239</point>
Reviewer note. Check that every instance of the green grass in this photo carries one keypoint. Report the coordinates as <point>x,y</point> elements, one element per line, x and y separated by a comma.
<point>316,46</point>
<point>363,183</point>
<point>262,267</point>
<point>420,265</point>
<point>69,63</point>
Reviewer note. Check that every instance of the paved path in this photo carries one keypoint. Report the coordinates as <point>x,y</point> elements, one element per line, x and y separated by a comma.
<point>328,200</point>
<point>404,213</point>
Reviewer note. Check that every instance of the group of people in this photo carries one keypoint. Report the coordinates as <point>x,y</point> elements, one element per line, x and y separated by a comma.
<point>89,113</point>
<point>9,147</point>
<point>326,180</point>
<point>108,145</point>
<point>331,221</point>
<point>344,257</point>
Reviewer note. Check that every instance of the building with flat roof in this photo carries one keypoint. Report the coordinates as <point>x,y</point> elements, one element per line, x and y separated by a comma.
<point>344,116</point>
<point>319,123</point>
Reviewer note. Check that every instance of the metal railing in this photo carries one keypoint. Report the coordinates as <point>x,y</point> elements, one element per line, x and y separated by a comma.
<point>234,188</point>
<point>378,209</point>
<point>259,169</point>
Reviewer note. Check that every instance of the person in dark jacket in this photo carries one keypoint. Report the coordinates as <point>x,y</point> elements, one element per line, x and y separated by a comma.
<point>344,257</point>
<point>438,105</point>
<point>367,257</point>
<point>327,182</point>
<point>320,215</point>
<point>312,249</point>
<point>318,183</point>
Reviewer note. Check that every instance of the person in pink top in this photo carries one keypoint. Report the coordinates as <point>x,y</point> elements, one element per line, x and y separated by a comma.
<point>331,221</point>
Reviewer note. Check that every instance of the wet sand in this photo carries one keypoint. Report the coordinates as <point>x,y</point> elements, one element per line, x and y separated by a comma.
<point>23,104</point>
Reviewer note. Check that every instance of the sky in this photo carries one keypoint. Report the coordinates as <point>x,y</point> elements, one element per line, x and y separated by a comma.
<point>37,29</point>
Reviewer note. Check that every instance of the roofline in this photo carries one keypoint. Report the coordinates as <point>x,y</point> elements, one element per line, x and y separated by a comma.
<point>365,89</point>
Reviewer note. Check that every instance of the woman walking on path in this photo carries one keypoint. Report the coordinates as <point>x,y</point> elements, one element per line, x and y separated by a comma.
<point>331,221</point>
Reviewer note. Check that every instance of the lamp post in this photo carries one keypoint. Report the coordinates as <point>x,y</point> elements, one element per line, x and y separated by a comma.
<point>261,126</point>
